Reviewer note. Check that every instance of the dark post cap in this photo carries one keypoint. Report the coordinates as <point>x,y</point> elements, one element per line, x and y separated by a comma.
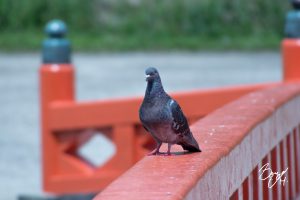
<point>296,4</point>
<point>56,48</point>
<point>56,28</point>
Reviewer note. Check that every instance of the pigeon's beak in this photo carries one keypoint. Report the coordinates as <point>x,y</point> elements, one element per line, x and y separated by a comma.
<point>147,77</point>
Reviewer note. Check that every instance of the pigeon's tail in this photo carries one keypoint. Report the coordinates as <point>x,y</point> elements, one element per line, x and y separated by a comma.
<point>190,144</point>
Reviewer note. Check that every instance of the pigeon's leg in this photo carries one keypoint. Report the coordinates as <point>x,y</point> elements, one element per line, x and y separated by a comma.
<point>169,149</point>
<point>156,150</point>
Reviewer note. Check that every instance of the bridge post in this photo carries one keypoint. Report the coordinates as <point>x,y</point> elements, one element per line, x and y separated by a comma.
<point>291,44</point>
<point>56,83</point>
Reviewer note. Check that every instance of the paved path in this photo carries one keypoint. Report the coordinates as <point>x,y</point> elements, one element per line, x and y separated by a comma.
<point>104,76</point>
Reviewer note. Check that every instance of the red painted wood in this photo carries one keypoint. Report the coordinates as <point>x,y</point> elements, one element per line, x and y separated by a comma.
<point>291,62</point>
<point>68,115</point>
<point>275,167</point>
<point>255,183</point>
<point>265,188</point>
<point>235,195</point>
<point>246,189</point>
<point>64,129</point>
<point>296,135</point>
<point>239,134</point>
<point>291,164</point>
<point>67,125</point>
<point>56,84</point>
<point>284,165</point>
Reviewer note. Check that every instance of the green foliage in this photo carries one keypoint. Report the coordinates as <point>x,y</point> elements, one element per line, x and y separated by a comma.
<point>199,17</point>
<point>145,24</point>
<point>33,14</point>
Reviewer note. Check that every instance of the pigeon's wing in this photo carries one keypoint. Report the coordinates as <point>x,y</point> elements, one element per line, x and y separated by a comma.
<point>141,118</point>
<point>181,127</point>
<point>179,124</point>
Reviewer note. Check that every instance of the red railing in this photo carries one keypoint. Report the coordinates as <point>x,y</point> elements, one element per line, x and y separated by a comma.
<point>237,140</point>
<point>67,125</point>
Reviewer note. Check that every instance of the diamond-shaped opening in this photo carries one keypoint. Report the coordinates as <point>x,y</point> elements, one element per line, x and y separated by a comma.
<point>97,150</point>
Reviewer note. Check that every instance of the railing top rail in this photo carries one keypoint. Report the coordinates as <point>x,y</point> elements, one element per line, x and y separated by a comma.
<point>67,114</point>
<point>233,138</point>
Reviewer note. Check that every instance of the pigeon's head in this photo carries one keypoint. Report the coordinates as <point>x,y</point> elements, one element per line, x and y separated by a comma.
<point>151,74</point>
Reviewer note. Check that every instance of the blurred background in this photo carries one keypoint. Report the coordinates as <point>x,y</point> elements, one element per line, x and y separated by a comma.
<point>194,44</point>
<point>114,25</point>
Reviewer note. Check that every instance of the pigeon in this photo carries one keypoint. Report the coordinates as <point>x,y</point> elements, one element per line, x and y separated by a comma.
<point>163,118</point>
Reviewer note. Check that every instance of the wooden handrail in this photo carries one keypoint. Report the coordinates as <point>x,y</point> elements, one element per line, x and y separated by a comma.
<point>236,140</point>
<point>67,125</point>
<point>72,115</point>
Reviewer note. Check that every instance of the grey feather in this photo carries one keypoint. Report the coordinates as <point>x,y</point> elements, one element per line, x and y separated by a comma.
<point>162,116</point>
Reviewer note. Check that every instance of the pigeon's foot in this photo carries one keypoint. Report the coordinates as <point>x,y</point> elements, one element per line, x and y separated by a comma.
<point>169,149</point>
<point>154,152</point>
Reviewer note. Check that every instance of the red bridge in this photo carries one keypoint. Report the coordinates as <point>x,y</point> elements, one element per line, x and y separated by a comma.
<point>247,134</point>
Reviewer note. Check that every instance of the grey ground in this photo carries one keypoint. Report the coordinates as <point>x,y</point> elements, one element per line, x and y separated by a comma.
<point>102,76</point>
